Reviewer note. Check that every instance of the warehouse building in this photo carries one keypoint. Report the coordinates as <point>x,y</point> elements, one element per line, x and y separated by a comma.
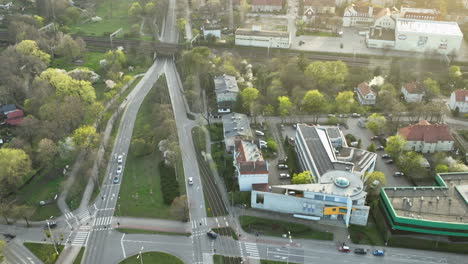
<point>257,37</point>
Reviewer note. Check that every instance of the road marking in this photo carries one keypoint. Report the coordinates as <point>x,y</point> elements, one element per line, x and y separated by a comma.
<point>68,215</point>
<point>122,245</point>
<point>68,224</point>
<point>252,250</point>
<point>80,238</point>
<point>30,259</point>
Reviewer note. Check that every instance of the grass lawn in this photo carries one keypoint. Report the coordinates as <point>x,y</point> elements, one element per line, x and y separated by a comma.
<point>268,227</point>
<point>264,261</point>
<point>108,24</point>
<point>433,245</point>
<point>45,252</point>
<point>150,232</point>
<point>153,258</point>
<point>223,230</point>
<point>220,259</point>
<point>79,257</point>
<point>90,60</point>
<point>368,235</point>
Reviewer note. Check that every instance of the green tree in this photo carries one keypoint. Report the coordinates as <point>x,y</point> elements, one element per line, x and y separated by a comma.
<point>179,208</point>
<point>395,145</point>
<point>376,122</point>
<point>314,103</point>
<point>150,9</point>
<point>327,75</point>
<point>284,106</point>
<point>23,211</point>
<point>70,48</point>
<point>371,147</point>
<point>272,146</point>
<point>268,110</point>
<point>454,72</point>
<point>344,101</point>
<point>85,137</point>
<point>249,95</point>
<point>180,24</point>
<point>15,165</point>
<point>410,164</point>
<point>29,47</point>
<point>441,168</point>
<point>139,147</point>
<point>46,150</point>
<point>301,178</point>
<point>432,88</point>
<point>135,10</point>
<point>371,178</point>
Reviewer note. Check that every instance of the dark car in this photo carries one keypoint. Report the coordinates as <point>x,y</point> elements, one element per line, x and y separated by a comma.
<point>9,236</point>
<point>380,148</point>
<point>52,224</point>
<point>360,251</point>
<point>211,234</point>
<point>390,161</point>
<point>386,156</point>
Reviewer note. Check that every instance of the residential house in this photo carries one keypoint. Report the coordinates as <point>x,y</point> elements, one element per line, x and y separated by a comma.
<point>226,90</point>
<point>385,18</point>
<point>365,94</point>
<point>319,6</point>
<point>235,126</point>
<point>5,109</point>
<point>427,138</point>
<point>413,92</point>
<point>211,28</point>
<point>257,37</point>
<point>459,99</point>
<point>419,13</point>
<point>249,164</point>
<point>359,16</point>
<point>266,5</point>
<point>15,117</point>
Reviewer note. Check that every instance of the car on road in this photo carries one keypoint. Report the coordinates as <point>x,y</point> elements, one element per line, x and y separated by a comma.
<point>294,126</point>
<point>212,234</point>
<point>378,252</point>
<point>9,236</point>
<point>386,156</point>
<point>119,169</point>
<point>390,161</point>
<point>116,180</point>
<point>331,115</point>
<point>120,159</point>
<point>356,115</point>
<point>360,251</point>
<point>259,133</point>
<point>190,180</point>
<point>51,224</point>
<point>284,175</point>
<point>343,115</point>
<point>282,166</point>
<point>374,137</point>
<point>398,174</point>
<point>343,248</point>
<point>380,148</point>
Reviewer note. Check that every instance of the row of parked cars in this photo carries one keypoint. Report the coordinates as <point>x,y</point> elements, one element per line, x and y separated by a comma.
<point>283,166</point>
<point>118,172</point>
<point>361,251</point>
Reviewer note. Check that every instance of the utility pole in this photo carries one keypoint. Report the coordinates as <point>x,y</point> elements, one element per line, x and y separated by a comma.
<point>52,237</point>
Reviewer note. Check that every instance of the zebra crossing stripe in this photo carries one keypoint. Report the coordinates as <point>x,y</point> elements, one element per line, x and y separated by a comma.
<point>80,238</point>
<point>252,250</point>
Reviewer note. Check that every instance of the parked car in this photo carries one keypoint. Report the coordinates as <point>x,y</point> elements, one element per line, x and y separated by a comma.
<point>378,252</point>
<point>360,251</point>
<point>116,180</point>
<point>259,133</point>
<point>190,180</point>
<point>282,166</point>
<point>331,115</point>
<point>390,161</point>
<point>398,174</point>
<point>282,127</point>
<point>374,137</point>
<point>343,115</point>
<point>119,169</point>
<point>355,115</point>
<point>120,159</point>
<point>294,126</point>
<point>386,156</point>
<point>343,248</point>
<point>380,148</point>
<point>211,234</point>
<point>51,224</point>
<point>284,175</point>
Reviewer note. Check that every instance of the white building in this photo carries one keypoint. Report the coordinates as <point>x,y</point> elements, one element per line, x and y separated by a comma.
<point>266,5</point>
<point>226,90</point>
<point>250,166</point>
<point>380,38</point>
<point>213,30</point>
<point>441,37</point>
<point>235,126</point>
<point>413,92</point>
<point>385,18</point>
<point>427,138</point>
<point>338,196</point>
<point>365,94</point>
<point>359,16</point>
<point>419,13</point>
<point>262,38</point>
<point>459,99</point>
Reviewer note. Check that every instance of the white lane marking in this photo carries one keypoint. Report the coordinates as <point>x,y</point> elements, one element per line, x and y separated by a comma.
<point>252,250</point>
<point>30,259</point>
<point>122,245</point>
<point>80,238</point>
<point>68,224</point>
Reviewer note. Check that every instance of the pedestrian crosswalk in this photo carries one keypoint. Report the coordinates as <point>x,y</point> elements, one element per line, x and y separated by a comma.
<point>103,221</point>
<point>80,238</point>
<point>202,222</point>
<point>252,250</point>
<point>69,215</point>
<point>241,249</point>
<point>83,216</point>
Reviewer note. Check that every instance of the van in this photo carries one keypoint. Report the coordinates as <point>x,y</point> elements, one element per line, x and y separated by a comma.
<point>259,133</point>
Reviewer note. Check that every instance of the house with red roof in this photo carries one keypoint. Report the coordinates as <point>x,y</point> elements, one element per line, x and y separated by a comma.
<point>250,166</point>
<point>459,99</point>
<point>365,94</point>
<point>427,138</point>
<point>266,5</point>
<point>413,92</point>
<point>15,117</point>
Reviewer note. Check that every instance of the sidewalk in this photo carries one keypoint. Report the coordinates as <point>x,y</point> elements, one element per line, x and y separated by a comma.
<point>152,224</point>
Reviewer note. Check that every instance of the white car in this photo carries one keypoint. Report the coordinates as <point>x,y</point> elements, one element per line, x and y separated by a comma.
<point>398,174</point>
<point>284,175</point>
<point>120,159</point>
<point>190,180</point>
<point>119,169</point>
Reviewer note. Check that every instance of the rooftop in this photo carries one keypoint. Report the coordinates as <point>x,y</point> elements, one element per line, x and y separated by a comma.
<point>428,27</point>
<point>434,203</point>
<point>364,89</point>
<point>4,109</point>
<point>265,33</point>
<point>382,34</point>
<point>461,95</point>
<point>330,3</point>
<point>226,83</point>
<point>236,125</point>
<point>267,2</point>
<point>414,87</point>
<point>427,132</point>
<point>249,158</point>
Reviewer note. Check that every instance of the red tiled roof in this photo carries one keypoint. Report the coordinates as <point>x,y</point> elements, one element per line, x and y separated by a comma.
<point>253,167</point>
<point>267,2</point>
<point>414,87</point>
<point>427,132</point>
<point>461,95</point>
<point>365,89</point>
<point>18,113</point>
<point>261,187</point>
<point>423,16</point>
<point>15,121</point>
<point>319,3</point>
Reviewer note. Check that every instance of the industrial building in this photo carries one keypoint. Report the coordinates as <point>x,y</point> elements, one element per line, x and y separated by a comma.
<point>435,210</point>
<point>257,37</point>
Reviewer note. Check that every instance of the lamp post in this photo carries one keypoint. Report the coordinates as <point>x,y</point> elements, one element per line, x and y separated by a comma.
<point>52,237</point>
<point>289,248</point>
<point>140,256</point>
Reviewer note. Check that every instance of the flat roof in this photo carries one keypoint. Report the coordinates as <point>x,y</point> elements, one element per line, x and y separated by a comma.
<point>428,27</point>
<point>235,124</point>
<point>225,83</point>
<point>433,203</point>
<point>382,34</point>
<point>265,33</point>
<point>319,147</point>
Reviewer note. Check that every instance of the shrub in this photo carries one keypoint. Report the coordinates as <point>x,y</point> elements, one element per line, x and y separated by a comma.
<point>169,184</point>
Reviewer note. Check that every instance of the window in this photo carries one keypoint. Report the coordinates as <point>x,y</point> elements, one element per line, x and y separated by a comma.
<point>329,198</point>
<point>318,197</point>
<point>260,198</point>
<point>343,210</point>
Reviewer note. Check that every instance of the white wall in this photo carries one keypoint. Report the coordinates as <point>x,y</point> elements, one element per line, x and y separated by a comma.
<point>385,22</point>
<point>214,32</point>
<point>263,41</point>
<point>424,147</point>
<point>408,41</point>
<point>227,96</point>
<point>246,180</point>
<point>411,98</point>
<point>462,106</point>
<point>380,44</point>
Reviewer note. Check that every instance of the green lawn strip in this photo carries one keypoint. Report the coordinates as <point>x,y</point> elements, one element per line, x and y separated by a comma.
<point>433,245</point>
<point>368,235</point>
<point>264,261</point>
<point>79,257</point>
<point>150,232</point>
<point>90,60</point>
<point>44,252</point>
<point>220,259</point>
<point>153,258</point>
<point>222,230</point>
<point>252,224</point>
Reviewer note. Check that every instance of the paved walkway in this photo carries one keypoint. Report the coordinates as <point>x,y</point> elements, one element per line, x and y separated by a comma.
<point>152,224</point>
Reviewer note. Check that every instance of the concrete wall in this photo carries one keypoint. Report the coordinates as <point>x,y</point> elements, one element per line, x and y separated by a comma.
<point>265,8</point>
<point>462,106</point>
<point>424,147</point>
<point>214,32</point>
<point>246,180</point>
<point>263,41</point>
<point>422,42</point>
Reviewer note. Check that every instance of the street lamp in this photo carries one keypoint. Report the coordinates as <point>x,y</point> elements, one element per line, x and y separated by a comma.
<point>140,256</point>
<point>52,236</point>
<point>289,248</point>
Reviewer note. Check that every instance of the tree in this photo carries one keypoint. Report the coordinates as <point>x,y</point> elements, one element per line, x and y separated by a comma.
<point>46,150</point>
<point>301,178</point>
<point>248,96</point>
<point>28,128</point>
<point>2,249</point>
<point>395,145</point>
<point>454,72</point>
<point>29,47</point>
<point>441,168</point>
<point>69,48</point>
<point>376,122</point>
<point>23,211</point>
<point>344,101</point>
<point>272,146</point>
<point>15,165</point>
<point>150,9</point>
<point>410,164</point>
<point>327,75</point>
<point>135,10</point>
<point>6,210</point>
<point>371,178</point>
<point>268,110</point>
<point>179,208</point>
<point>432,88</point>
<point>180,24</point>
<point>284,106</point>
<point>371,147</point>
<point>314,103</point>
<point>85,137</point>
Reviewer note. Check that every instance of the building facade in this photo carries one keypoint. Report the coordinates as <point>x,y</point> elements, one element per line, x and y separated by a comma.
<point>226,90</point>
<point>365,94</point>
<point>427,138</point>
<point>359,16</point>
<point>320,6</point>
<point>459,99</point>
<point>250,167</point>
<point>385,18</point>
<point>257,37</point>
<point>413,92</point>
<point>266,5</point>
